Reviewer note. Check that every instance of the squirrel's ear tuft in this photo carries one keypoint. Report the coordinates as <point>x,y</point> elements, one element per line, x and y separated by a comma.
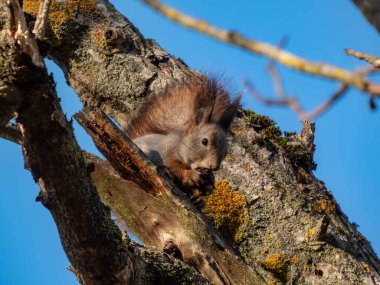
<point>203,115</point>
<point>227,116</point>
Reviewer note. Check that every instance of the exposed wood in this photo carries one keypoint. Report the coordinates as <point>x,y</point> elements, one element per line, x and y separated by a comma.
<point>98,251</point>
<point>185,228</point>
<point>295,229</point>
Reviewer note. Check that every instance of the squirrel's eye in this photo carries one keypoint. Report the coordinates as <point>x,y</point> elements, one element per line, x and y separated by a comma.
<point>205,141</point>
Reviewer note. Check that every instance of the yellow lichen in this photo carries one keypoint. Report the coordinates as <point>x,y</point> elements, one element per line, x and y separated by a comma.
<point>73,64</point>
<point>228,210</point>
<point>93,74</point>
<point>278,264</point>
<point>294,259</point>
<point>60,12</point>
<point>97,34</point>
<point>324,207</point>
<point>270,189</point>
<point>310,234</point>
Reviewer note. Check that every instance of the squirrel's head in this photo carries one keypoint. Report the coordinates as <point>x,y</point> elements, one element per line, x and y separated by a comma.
<point>204,143</point>
<point>204,146</point>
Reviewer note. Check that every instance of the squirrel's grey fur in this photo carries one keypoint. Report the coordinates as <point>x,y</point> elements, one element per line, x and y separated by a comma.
<point>185,128</point>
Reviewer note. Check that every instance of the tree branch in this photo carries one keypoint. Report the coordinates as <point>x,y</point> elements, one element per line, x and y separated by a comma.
<point>98,251</point>
<point>371,10</point>
<point>371,59</point>
<point>207,251</point>
<point>10,132</point>
<point>41,20</point>
<point>267,50</point>
<point>271,171</point>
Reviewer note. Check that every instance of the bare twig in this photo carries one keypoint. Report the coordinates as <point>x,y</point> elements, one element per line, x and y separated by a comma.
<point>373,60</point>
<point>291,102</point>
<point>318,111</point>
<point>267,50</point>
<point>284,100</point>
<point>42,18</point>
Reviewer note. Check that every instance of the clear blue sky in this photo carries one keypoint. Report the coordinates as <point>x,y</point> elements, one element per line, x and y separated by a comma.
<point>347,137</point>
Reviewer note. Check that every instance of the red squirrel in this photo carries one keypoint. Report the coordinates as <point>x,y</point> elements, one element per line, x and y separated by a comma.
<point>185,129</point>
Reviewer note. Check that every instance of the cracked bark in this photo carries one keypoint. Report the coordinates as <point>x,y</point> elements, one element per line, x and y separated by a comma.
<point>296,231</point>
<point>97,250</point>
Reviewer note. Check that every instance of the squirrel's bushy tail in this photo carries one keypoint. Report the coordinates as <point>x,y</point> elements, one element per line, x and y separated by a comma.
<point>184,105</point>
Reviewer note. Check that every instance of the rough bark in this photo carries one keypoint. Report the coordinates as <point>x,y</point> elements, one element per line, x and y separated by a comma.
<point>94,247</point>
<point>370,10</point>
<point>291,224</point>
<point>185,232</point>
<point>98,251</point>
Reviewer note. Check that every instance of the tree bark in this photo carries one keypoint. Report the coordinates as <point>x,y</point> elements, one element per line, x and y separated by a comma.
<point>98,251</point>
<point>370,10</point>
<point>291,229</point>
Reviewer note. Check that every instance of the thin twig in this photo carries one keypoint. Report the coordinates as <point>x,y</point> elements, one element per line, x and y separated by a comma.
<point>373,60</point>
<point>267,50</point>
<point>42,19</point>
<point>278,85</point>
<point>291,102</point>
<point>317,112</point>
<point>285,101</point>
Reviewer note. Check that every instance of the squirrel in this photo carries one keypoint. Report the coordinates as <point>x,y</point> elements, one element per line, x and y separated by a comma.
<point>185,130</point>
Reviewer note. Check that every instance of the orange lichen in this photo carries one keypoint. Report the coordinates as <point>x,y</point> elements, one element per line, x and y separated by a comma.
<point>237,132</point>
<point>269,236</point>
<point>278,264</point>
<point>60,12</point>
<point>229,158</point>
<point>228,210</point>
<point>97,34</point>
<point>247,167</point>
<point>324,207</point>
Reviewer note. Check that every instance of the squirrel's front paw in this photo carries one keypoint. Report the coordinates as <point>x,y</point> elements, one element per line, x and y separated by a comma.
<point>191,178</point>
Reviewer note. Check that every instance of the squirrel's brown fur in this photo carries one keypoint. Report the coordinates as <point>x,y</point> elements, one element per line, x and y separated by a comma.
<point>185,129</point>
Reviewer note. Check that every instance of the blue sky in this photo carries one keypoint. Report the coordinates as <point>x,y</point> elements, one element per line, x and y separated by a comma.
<point>347,137</point>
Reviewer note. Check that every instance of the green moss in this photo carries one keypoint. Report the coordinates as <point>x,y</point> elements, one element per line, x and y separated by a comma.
<point>273,138</point>
<point>228,210</point>
<point>263,123</point>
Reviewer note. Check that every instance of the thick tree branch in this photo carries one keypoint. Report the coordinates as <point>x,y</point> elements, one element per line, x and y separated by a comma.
<point>111,66</point>
<point>91,240</point>
<point>10,132</point>
<point>98,251</point>
<point>207,251</point>
<point>371,10</point>
<point>269,51</point>
<point>41,20</point>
